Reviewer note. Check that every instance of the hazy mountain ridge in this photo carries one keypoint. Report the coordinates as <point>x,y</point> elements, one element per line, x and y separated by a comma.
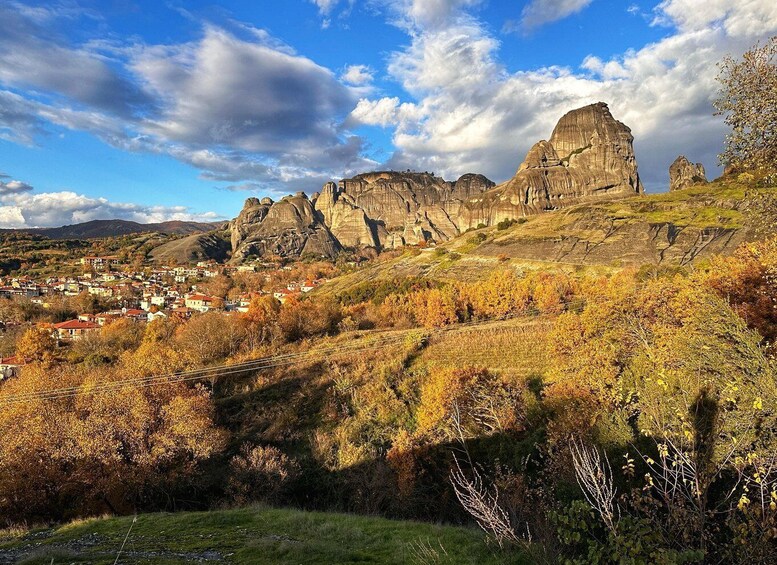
<point>110,228</point>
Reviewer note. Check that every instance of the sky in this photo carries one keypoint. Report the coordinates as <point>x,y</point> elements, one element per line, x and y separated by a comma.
<point>162,110</point>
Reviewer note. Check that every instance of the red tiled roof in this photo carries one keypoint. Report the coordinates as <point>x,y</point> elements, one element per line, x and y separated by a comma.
<point>12,360</point>
<point>76,325</point>
<point>202,297</point>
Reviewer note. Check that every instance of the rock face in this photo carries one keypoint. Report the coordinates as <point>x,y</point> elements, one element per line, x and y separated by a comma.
<point>347,221</point>
<point>590,155</point>
<point>683,173</point>
<point>406,208</point>
<point>289,227</point>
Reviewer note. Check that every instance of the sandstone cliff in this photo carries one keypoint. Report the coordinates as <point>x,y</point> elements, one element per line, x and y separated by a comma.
<point>589,156</point>
<point>683,173</point>
<point>399,208</point>
<point>289,227</point>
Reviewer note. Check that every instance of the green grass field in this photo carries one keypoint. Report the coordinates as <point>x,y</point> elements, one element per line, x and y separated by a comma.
<point>251,535</point>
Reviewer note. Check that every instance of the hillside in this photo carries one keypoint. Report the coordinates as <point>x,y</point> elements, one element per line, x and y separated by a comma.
<point>668,229</point>
<point>192,248</point>
<point>248,535</point>
<point>111,228</point>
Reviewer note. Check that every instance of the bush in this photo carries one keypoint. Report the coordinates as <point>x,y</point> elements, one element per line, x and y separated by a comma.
<point>477,239</point>
<point>260,474</point>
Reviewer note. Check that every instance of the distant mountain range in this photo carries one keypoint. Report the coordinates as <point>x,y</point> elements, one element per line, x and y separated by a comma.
<point>111,228</point>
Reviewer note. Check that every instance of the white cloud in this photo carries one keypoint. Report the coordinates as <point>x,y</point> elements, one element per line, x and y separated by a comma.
<point>247,95</point>
<point>472,115</point>
<point>743,18</point>
<point>430,13</point>
<point>358,75</point>
<point>540,12</point>
<point>13,186</point>
<point>239,105</point>
<point>386,112</point>
<point>326,6</point>
<point>46,209</point>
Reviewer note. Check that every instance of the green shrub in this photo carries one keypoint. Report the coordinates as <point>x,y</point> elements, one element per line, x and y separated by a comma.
<point>477,239</point>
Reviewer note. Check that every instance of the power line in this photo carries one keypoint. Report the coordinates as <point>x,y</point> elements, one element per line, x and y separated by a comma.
<point>270,362</point>
<point>198,374</point>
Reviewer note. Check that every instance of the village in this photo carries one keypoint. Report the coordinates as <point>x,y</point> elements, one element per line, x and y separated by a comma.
<point>156,292</point>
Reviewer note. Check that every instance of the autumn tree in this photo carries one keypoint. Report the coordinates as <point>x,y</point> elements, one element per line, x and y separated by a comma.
<point>748,101</point>
<point>209,337</point>
<point>435,307</point>
<point>36,345</point>
<point>127,448</point>
<point>261,319</point>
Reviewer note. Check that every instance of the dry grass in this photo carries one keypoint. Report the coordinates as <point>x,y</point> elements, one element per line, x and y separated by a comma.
<point>515,347</point>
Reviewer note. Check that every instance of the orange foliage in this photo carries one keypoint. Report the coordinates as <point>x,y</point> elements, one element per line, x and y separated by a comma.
<point>748,281</point>
<point>104,452</point>
<point>435,307</point>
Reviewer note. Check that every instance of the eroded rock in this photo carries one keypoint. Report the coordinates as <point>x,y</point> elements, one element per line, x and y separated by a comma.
<point>683,173</point>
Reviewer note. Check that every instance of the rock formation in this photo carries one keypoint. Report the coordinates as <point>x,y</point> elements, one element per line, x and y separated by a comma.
<point>407,208</point>
<point>347,221</point>
<point>590,155</point>
<point>289,227</point>
<point>683,173</point>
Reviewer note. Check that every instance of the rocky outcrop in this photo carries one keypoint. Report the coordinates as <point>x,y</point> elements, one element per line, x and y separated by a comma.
<point>253,212</point>
<point>290,227</point>
<point>348,222</point>
<point>408,208</point>
<point>683,173</point>
<point>589,156</point>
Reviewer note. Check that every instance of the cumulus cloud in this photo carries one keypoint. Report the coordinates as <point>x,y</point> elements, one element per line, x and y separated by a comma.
<point>430,13</point>
<point>744,18</point>
<point>540,12</point>
<point>28,209</point>
<point>247,95</point>
<point>267,114</point>
<point>358,75</point>
<point>472,115</point>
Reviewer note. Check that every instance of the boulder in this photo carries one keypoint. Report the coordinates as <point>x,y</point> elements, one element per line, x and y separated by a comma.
<point>683,173</point>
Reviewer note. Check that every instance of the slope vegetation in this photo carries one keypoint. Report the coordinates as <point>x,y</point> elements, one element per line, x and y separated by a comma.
<point>248,535</point>
<point>670,229</point>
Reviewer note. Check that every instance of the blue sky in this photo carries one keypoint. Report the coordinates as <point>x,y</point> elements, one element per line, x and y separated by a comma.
<point>180,110</point>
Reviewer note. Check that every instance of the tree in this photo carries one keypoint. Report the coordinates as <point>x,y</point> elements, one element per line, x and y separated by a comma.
<point>36,344</point>
<point>209,337</point>
<point>748,100</point>
<point>127,448</point>
<point>261,319</point>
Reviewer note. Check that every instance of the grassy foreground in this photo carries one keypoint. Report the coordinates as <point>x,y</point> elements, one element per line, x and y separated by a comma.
<point>250,535</point>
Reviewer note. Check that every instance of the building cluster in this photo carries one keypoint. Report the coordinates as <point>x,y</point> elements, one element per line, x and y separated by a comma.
<point>156,292</point>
